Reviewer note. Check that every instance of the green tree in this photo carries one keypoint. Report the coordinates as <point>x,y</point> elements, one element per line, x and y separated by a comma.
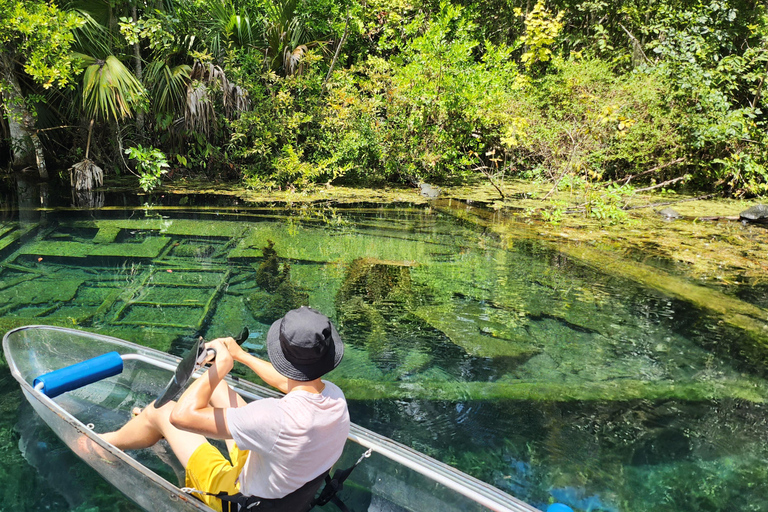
<point>37,36</point>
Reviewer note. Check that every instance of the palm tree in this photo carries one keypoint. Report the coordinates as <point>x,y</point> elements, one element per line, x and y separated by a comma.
<point>286,39</point>
<point>110,92</point>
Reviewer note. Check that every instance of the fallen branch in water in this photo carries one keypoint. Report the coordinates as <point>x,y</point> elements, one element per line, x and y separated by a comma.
<point>484,169</point>
<point>654,205</point>
<point>663,184</point>
<point>654,169</point>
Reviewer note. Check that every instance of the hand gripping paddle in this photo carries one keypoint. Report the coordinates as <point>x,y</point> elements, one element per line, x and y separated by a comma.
<point>192,360</point>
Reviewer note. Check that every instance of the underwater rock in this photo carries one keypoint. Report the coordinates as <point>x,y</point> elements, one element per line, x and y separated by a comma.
<point>428,191</point>
<point>757,213</point>
<point>669,214</point>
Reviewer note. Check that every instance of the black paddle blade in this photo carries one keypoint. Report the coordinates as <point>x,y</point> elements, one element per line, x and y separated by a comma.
<point>243,336</point>
<point>183,372</point>
<point>187,366</point>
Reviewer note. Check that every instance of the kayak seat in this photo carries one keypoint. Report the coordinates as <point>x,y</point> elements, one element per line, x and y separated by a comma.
<point>300,500</point>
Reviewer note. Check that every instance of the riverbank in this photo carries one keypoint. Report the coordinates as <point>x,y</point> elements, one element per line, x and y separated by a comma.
<point>718,250</point>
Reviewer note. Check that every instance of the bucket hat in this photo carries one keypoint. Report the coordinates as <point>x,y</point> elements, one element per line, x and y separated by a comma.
<point>304,344</point>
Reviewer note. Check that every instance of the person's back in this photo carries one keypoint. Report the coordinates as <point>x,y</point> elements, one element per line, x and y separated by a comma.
<point>292,440</point>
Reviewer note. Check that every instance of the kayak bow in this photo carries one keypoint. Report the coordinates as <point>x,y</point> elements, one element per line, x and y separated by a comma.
<point>103,392</point>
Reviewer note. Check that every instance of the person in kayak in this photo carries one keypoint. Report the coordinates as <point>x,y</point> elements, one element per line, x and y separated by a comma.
<point>276,446</point>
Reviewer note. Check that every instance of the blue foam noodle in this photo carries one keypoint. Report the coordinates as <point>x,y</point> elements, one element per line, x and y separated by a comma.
<point>80,374</point>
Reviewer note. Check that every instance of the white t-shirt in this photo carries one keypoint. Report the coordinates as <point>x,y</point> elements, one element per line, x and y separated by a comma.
<point>292,439</point>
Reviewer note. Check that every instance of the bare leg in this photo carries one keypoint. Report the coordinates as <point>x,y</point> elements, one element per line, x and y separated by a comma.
<point>152,425</point>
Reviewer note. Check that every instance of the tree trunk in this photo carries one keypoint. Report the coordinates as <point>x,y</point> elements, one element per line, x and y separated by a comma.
<point>139,72</point>
<point>25,143</point>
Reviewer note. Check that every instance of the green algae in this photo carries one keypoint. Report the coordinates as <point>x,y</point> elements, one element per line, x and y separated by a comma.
<point>7,239</point>
<point>547,391</point>
<point>169,295</point>
<point>106,234</point>
<point>167,227</point>
<point>189,277</point>
<point>401,307</point>
<point>297,242</point>
<point>197,250</point>
<point>43,290</point>
<point>147,248</point>
<point>482,343</point>
<point>183,317</point>
<point>751,320</point>
<point>277,293</point>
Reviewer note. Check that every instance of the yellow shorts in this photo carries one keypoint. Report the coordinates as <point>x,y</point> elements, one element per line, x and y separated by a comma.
<point>208,470</point>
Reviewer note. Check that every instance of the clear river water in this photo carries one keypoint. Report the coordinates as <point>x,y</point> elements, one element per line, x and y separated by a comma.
<point>517,361</point>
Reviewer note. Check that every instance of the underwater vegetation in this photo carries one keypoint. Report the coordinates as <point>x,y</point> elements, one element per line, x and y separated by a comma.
<point>277,293</point>
<point>511,359</point>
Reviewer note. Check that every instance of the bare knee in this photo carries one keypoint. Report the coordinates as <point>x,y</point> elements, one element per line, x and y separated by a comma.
<point>160,418</point>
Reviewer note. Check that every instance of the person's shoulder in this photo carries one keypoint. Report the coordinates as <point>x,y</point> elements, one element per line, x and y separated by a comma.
<point>332,390</point>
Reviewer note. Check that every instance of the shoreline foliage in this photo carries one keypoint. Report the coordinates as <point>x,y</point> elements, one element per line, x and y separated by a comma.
<point>294,94</point>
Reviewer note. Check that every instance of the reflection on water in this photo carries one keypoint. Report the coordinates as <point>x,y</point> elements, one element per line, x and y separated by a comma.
<point>517,365</point>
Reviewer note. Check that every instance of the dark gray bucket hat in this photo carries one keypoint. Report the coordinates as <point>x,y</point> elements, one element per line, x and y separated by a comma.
<point>304,344</point>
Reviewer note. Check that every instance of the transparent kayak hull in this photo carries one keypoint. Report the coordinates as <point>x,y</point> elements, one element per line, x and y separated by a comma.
<point>394,478</point>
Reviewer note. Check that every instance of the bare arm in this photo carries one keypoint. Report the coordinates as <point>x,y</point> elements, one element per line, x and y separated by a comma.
<point>193,411</point>
<point>263,369</point>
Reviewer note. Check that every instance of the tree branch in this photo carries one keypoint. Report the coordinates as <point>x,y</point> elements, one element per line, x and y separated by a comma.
<point>663,184</point>
<point>638,43</point>
<point>657,168</point>
<point>484,170</point>
<point>338,50</point>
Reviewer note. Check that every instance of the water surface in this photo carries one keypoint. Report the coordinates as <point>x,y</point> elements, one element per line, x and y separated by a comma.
<point>516,363</point>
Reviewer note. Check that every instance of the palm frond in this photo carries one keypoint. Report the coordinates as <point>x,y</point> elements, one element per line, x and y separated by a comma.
<point>110,90</point>
<point>241,29</point>
<point>168,85</point>
<point>86,175</point>
<point>292,59</point>
<point>198,111</point>
<point>285,36</point>
<point>92,37</point>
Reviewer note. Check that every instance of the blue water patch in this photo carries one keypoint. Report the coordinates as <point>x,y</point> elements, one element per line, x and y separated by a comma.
<point>577,499</point>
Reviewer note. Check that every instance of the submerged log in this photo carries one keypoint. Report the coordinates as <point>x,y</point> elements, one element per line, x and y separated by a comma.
<point>547,391</point>
<point>731,310</point>
<point>751,321</point>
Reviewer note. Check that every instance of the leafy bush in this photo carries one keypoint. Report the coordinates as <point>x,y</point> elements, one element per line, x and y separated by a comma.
<point>584,119</point>
<point>150,164</point>
<point>430,111</point>
<point>717,68</point>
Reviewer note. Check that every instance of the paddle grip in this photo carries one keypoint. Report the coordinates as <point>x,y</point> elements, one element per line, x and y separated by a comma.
<point>207,356</point>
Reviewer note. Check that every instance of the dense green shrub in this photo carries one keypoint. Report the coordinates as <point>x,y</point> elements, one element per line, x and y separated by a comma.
<point>430,111</point>
<point>291,93</point>
<point>718,67</point>
<point>583,119</point>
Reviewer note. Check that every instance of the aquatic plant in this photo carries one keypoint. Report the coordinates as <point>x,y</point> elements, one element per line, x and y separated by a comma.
<point>278,293</point>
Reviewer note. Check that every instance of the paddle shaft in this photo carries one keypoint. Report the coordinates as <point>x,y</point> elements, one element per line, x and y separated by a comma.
<point>188,366</point>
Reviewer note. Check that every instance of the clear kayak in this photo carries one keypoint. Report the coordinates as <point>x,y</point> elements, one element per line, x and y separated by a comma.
<point>394,478</point>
